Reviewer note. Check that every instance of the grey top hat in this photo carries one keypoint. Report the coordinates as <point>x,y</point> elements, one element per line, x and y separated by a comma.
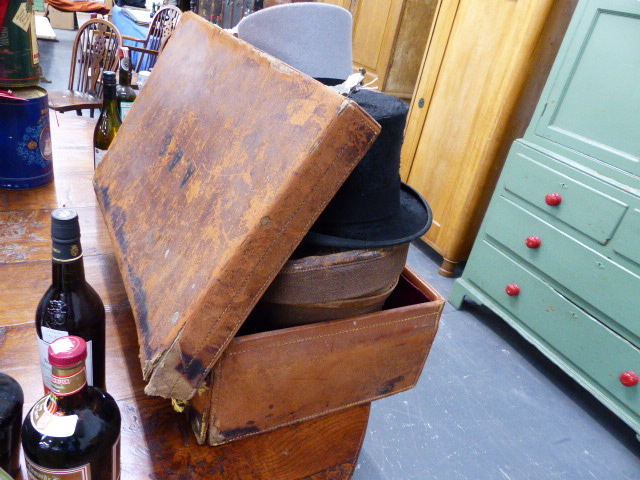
<point>314,38</point>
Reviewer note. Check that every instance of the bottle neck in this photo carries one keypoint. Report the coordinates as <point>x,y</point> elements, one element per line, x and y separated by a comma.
<point>69,386</point>
<point>108,93</point>
<point>109,101</point>
<point>67,264</point>
<point>124,77</point>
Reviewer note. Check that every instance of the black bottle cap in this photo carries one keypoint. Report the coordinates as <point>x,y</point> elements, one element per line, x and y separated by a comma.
<point>10,389</point>
<point>11,400</point>
<point>65,225</point>
<point>108,78</point>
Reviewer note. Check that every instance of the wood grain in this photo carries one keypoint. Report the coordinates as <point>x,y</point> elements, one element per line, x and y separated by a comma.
<point>474,90</point>
<point>157,442</point>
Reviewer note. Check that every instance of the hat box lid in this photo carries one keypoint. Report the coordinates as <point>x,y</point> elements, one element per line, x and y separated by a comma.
<point>222,165</point>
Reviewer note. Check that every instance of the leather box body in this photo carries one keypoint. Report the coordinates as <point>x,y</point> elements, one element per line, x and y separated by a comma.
<point>222,165</point>
<point>268,380</point>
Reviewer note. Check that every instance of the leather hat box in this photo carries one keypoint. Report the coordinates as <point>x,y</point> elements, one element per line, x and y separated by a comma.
<point>224,162</point>
<point>268,380</point>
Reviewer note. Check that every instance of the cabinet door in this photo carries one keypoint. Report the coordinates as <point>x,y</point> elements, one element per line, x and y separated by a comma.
<point>591,103</point>
<point>375,25</point>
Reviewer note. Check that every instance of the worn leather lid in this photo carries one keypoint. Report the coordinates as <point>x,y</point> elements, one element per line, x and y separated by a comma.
<point>225,160</point>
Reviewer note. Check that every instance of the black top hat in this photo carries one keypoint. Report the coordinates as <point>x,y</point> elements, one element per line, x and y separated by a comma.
<point>373,208</point>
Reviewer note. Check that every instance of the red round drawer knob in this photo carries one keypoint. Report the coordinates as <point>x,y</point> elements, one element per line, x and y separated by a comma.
<point>533,241</point>
<point>629,379</point>
<point>553,199</point>
<point>513,290</point>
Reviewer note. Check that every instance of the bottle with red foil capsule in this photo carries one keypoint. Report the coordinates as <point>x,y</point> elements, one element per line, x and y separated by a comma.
<point>70,306</point>
<point>73,432</point>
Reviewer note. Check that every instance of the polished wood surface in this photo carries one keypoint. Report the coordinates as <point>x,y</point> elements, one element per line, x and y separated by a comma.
<point>68,100</point>
<point>157,442</point>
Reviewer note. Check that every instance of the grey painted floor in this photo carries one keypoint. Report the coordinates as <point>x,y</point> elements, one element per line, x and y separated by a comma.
<point>488,406</point>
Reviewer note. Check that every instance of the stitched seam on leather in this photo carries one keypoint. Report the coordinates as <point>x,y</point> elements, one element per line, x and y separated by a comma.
<point>338,157</point>
<point>332,334</point>
<point>218,389</point>
<point>340,407</point>
<point>324,412</point>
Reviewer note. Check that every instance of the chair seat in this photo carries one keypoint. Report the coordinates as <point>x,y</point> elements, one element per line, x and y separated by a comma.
<point>66,100</point>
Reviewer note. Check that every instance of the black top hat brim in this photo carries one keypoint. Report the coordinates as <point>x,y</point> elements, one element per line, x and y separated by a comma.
<point>413,220</point>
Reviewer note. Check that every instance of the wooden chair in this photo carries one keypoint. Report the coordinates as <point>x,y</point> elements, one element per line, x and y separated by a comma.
<point>160,29</point>
<point>95,50</point>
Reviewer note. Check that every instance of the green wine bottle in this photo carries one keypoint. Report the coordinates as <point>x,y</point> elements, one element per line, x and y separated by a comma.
<point>124,92</point>
<point>109,121</point>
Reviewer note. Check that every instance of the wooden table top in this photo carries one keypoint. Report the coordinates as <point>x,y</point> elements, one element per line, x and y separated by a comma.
<point>157,442</point>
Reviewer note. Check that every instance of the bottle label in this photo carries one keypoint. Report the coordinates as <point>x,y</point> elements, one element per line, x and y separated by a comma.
<point>70,384</point>
<point>48,336</point>
<point>98,153</point>
<point>45,420</point>
<point>36,472</point>
<point>124,109</point>
<point>65,252</point>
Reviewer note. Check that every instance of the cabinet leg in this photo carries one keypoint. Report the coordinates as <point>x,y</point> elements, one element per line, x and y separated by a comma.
<point>447,269</point>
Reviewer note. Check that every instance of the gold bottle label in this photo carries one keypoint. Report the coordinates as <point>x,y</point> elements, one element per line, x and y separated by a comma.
<point>36,472</point>
<point>65,385</point>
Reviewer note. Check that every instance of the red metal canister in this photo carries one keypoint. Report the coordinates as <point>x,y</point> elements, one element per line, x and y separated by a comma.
<point>25,139</point>
<point>19,58</point>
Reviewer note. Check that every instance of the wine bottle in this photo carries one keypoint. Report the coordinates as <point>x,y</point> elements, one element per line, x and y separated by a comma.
<point>124,92</point>
<point>74,431</point>
<point>109,120</point>
<point>11,400</point>
<point>70,306</point>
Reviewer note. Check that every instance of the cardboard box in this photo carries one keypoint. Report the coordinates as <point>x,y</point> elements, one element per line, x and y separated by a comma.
<point>62,20</point>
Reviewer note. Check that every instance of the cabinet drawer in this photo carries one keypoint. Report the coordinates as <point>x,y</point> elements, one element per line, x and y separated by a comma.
<point>583,207</point>
<point>588,274</point>
<point>563,331</point>
<point>627,238</point>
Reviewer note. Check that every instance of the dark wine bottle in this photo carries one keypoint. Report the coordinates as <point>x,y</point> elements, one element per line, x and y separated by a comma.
<point>109,120</point>
<point>124,91</point>
<point>11,400</point>
<point>74,431</point>
<point>70,306</point>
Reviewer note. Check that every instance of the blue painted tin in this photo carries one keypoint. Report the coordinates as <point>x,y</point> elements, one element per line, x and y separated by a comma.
<point>25,139</point>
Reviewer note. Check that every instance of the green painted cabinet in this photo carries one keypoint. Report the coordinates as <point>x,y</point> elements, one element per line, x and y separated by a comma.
<point>558,253</point>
